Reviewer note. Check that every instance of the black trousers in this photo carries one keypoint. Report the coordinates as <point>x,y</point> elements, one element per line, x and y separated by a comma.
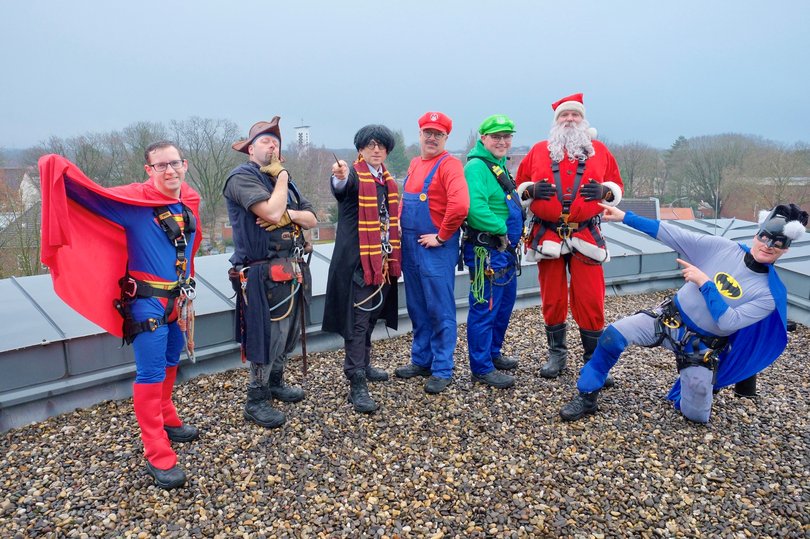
<point>358,346</point>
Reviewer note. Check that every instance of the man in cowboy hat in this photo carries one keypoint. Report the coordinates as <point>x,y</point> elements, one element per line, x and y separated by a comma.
<point>723,329</point>
<point>362,285</point>
<point>562,180</point>
<point>435,201</point>
<point>267,213</point>
<point>494,227</point>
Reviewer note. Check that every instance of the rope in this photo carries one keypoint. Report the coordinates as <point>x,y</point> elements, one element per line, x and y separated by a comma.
<point>478,282</point>
<point>360,304</point>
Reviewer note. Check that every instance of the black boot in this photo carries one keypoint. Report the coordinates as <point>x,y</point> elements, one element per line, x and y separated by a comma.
<point>746,388</point>
<point>279,390</point>
<point>259,410</point>
<point>167,479</point>
<point>581,405</point>
<point>373,374</point>
<point>589,341</point>
<point>505,363</point>
<point>358,394</point>
<point>557,351</point>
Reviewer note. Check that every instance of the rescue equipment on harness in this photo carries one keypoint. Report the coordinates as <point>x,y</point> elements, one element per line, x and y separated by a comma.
<point>563,227</point>
<point>484,241</point>
<point>691,348</point>
<point>179,293</point>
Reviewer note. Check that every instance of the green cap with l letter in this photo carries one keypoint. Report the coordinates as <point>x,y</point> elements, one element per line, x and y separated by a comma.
<point>497,123</point>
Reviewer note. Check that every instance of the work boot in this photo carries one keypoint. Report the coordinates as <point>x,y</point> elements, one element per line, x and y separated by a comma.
<point>581,405</point>
<point>172,478</point>
<point>279,390</point>
<point>589,341</point>
<point>373,374</point>
<point>495,379</point>
<point>358,394</point>
<point>435,385</point>
<point>557,351</point>
<point>504,363</point>
<point>259,410</point>
<point>183,433</point>
<point>746,388</point>
<point>412,370</point>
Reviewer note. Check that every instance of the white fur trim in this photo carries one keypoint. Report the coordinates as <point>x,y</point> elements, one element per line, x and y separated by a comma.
<point>763,214</point>
<point>549,249</point>
<point>617,194</point>
<point>592,132</point>
<point>590,250</point>
<point>793,230</point>
<point>530,256</point>
<point>522,189</point>
<point>569,105</point>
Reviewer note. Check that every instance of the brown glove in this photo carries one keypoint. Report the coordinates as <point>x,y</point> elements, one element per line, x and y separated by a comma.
<point>274,168</point>
<point>269,227</point>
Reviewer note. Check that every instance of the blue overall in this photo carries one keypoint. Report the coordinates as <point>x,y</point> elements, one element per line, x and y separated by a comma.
<point>486,327</point>
<point>429,284</point>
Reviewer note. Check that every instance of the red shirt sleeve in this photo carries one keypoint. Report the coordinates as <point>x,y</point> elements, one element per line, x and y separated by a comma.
<point>449,198</point>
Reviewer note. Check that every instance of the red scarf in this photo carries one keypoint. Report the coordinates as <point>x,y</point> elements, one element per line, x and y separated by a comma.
<point>369,225</point>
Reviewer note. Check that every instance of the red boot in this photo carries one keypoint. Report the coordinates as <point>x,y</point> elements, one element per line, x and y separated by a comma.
<point>161,460</point>
<point>176,430</point>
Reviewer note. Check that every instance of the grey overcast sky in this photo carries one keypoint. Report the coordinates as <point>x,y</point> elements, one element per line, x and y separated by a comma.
<point>650,70</point>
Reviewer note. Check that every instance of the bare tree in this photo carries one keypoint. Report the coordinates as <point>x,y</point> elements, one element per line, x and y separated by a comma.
<point>639,166</point>
<point>207,146</point>
<point>311,169</point>
<point>775,173</point>
<point>19,234</point>
<point>709,164</point>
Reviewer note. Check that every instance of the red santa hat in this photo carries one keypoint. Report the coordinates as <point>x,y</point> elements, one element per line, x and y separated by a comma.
<point>572,102</point>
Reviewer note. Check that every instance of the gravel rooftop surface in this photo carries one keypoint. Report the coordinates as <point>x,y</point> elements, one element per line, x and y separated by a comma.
<point>470,462</point>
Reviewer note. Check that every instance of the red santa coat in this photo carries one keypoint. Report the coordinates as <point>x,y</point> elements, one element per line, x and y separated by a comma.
<point>600,167</point>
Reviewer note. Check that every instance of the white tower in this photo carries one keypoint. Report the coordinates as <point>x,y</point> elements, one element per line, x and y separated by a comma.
<point>302,136</point>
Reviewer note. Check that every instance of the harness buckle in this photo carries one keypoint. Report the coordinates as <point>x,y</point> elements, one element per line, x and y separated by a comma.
<point>129,288</point>
<point>189,289</point>
<point>154,323</point>
<point>671,322</point>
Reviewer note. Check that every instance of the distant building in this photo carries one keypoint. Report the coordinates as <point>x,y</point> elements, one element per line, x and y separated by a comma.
<point>302,137</point>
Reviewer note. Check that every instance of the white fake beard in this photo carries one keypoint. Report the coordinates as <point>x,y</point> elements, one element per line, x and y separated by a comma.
<point>571,139</point>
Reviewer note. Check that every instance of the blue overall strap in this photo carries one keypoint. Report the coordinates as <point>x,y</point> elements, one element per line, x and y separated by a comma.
<point>429,177</point>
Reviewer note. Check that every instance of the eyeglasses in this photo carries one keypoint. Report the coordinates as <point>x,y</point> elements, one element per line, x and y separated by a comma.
<point>373,145</point>
<point>434,134</point>
<point>502,137</point>
<point>161,167</point>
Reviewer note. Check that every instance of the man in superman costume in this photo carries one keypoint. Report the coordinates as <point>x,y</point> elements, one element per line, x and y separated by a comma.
<point>121,257</point>
<point>725,324</point>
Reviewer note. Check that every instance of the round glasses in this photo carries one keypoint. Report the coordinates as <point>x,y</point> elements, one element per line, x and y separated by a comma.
<point>161,167</point>
<point>373,145</point>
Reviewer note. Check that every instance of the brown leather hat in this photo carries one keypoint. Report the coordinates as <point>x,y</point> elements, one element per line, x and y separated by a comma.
<point>259,128</point>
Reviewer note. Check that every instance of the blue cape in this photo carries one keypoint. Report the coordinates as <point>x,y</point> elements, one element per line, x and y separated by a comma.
<point>753,348</point>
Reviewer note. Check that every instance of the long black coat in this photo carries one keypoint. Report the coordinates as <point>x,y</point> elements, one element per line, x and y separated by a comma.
<point>338,316</point>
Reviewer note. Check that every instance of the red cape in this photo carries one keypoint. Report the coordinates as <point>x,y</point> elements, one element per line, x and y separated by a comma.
<point>86,253</point>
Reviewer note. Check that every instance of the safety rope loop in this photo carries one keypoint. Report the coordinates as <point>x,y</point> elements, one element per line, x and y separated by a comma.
<point>479,274</point>
<point>386,280</point>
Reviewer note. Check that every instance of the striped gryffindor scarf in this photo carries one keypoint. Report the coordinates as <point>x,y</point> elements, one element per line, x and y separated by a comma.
<point>368,225</point>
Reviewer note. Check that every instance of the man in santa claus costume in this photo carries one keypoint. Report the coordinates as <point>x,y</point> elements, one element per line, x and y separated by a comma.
<point>562,180</point>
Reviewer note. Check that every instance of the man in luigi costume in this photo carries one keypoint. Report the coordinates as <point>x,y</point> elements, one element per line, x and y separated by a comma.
<point>494,226</point>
